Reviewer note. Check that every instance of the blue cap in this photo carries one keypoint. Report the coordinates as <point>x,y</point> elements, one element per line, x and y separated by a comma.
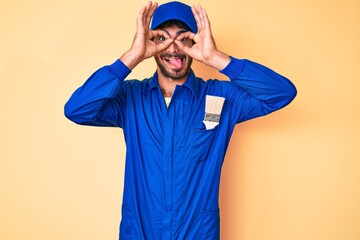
<point>174,11</point>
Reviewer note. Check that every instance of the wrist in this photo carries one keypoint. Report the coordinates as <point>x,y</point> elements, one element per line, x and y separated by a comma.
<point>218,60</point>
<point>130,59</point>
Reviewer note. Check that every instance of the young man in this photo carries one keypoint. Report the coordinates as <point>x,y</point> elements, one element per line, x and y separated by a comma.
<point>176,126</point>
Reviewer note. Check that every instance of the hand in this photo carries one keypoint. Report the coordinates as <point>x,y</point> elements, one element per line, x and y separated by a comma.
<point>204,49</point>
<point>143,47</point>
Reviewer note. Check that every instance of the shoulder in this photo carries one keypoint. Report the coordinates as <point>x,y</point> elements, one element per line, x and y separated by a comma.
<point>136,85</point>
<point>137,82</point>
<point>217,83</point>
<point>224,88</point>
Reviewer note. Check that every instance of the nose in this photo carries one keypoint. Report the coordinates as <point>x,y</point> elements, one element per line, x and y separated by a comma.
<point>173,47</point>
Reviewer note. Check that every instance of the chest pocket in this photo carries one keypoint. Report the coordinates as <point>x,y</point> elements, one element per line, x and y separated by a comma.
<point>201,142</point>
<point>201,138</point>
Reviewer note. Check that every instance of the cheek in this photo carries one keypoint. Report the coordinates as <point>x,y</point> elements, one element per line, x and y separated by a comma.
<point>189,61</point>
<point>157,59</point>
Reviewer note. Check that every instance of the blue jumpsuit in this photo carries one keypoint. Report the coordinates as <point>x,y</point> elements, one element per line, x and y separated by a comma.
<point>173,162</point>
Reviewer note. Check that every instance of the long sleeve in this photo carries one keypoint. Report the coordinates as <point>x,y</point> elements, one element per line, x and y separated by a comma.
<point>99,101</point>
<point>259,91</point>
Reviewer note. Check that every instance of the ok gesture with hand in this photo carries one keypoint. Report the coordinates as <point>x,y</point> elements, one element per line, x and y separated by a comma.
<point>204,48</point>
<point>143,47</point>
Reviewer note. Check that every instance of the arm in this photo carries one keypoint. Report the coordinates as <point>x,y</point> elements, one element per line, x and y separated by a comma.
<point>258,90</point>
<point>101,100</point>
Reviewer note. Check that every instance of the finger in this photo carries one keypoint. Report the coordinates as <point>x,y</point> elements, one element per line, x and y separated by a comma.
<point>180,44</point>
<point>197,17</point>
<point>157,33</point>
<point>186,35</point>
<point>183,47</point>
<point>206,21</point>
<point>140,23</point>
<point>201,16</point>
<point>160,32</point>
<point>163,45</point>
<point>146,13</point>
<point>150,13</point>
<point>141,15</point>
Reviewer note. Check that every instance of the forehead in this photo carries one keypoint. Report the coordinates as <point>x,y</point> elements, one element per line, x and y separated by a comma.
<point>173,29</point>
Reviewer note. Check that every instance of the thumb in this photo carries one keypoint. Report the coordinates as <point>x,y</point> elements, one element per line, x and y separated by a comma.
<point>163,45</point>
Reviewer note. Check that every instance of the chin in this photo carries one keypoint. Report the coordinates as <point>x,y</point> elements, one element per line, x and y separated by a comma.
<point>174,74</point>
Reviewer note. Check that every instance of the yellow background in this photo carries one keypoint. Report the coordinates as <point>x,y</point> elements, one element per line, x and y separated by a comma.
<point>293,175</point>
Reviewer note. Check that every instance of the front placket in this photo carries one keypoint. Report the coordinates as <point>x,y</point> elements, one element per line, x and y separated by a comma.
<point>168,160</point>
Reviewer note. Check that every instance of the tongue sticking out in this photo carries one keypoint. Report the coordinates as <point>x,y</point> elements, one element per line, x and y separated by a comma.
<point>176,62</point>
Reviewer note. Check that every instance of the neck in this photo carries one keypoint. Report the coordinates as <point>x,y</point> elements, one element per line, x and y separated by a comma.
<point>167,85</point>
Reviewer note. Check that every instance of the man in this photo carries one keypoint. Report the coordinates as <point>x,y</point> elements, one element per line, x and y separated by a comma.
<point>176,126</point>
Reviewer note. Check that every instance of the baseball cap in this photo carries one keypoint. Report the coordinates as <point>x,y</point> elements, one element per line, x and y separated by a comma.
<point>174,11</point>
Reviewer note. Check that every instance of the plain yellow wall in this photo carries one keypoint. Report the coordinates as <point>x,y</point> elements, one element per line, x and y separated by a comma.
<point>293,175</point>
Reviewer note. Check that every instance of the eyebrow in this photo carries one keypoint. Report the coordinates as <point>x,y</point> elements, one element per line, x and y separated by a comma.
<point>177,33</point>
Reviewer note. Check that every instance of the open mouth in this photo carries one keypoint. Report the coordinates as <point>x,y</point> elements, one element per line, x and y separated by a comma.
<point>175,61</point>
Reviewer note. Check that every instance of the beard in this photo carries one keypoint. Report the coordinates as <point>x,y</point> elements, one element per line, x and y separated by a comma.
<point>174,74</point>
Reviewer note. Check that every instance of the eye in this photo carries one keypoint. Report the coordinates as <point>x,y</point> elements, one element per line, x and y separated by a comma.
<point>162,38</point>
<point>187,41</point>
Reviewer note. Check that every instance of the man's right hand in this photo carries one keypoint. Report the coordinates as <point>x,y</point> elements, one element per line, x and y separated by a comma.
<point>143,46</point>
